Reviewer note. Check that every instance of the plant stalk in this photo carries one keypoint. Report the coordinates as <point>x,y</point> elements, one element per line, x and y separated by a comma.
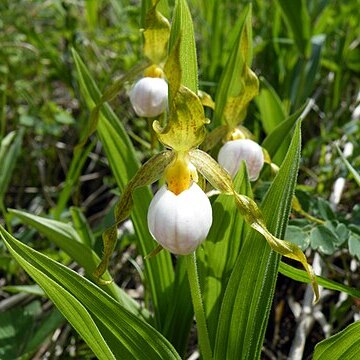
<point>203,335</point>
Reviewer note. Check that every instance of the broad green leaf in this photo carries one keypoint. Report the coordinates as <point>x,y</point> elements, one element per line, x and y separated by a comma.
<point>271,143</point>
<point>82,227</point>
<point>323,239</point>
<point>27,289</point>
<point>248,296</point>
<point>124,164</point>
<point>304,78</point>
<point>298,236</point>
<point>82,302</point>
<point>297,19</point>
<point>67,239</point>
<point>220,250</point>
<point>300,275</point>
<point>354,245</point>
<point>272,111</point>
<point>182,31</point>
<point>180,315</point>
<point>345,345</point>
<point>272,115</point>
<point>10,148</point>
<point>238,84</point>
<point>156,35</point>
<point>70,307</point>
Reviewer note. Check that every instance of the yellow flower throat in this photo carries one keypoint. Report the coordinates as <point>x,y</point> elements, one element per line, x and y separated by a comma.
<point>179,174</point>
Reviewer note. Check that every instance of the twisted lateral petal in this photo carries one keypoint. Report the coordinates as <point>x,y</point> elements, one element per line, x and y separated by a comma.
<point>233,152</point>
<point>179,223</point>
<point>149,96</point>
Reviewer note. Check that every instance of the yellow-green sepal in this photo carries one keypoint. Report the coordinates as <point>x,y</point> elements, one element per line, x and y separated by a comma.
<point>221,180</point>
<point>252,215</point>
<point>151,171</point>
<point>156,35</point>
<point>185,128</point>
<point>236,105</point>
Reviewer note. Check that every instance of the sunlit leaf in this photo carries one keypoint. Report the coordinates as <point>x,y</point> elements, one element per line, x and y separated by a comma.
<point>344,345</point>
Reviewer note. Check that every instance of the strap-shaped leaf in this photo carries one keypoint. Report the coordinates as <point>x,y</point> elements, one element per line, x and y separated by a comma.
<point>248,296</point>
<point>67,239</point>
<point>297,18</point>
<point>84,304</point>
<point>221,249</point>
<point>344,345</point>
<point>182,31</point>
<point>156,35</point>
<point>10,148</point>
<point>151,171</point>
<point>300,275</point>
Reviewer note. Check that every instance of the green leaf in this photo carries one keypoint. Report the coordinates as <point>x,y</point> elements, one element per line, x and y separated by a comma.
<point>64,236</point>
<point>345,345</point>
<point>10,148</point>
<point>300,275</point>
<point>26,289</point>
<point>220,250</point>
<point>71,308</point>
<point>305,72</point>
<point>354,244</point>
<point>182,30</point>
<point>271,143</point>
<point>272,111</point>
<point>248,296</point>
<point>124,164</point>
<point>297,19</point>
<point>238,84</point>
<point>82,227</point>
<point>81,302</point>
<point>298,236</point>
<point>323,239</point>
<point>180,314</point>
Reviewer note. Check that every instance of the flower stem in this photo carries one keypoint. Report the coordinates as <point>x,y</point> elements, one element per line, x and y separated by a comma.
<point>203,335</point>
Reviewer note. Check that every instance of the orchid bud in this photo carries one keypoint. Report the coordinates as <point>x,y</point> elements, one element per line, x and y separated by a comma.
<point>180,223</point>
<point>149,96</point>
<point>233,152</point>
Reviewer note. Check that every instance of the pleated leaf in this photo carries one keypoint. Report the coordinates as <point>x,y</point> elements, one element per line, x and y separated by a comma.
<point>67,239</point>
<point>182,31</point>
<point>248,296</point>
<point>85,305</point>
<point>345,345</point>
<point>220,250</point>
